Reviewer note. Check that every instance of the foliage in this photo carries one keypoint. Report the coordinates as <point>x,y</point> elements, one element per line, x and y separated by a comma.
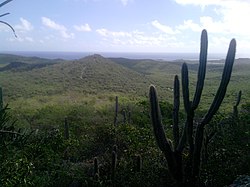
<point>228,151</point>
<point>47,158</point>
<point>40,99</point>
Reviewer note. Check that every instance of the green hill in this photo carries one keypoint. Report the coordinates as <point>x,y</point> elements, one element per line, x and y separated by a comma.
<point>28,77</point>
<point>8,58</point>
<point>91,75</point>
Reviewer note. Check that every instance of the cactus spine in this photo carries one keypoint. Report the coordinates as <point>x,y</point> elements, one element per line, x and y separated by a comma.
<point>174,156</point>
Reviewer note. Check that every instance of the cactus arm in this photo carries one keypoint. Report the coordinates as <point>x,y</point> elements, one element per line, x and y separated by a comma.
<point>157,122</point>
<point>176,111</point>
<point>159,132</point>
<point>185,89</point>
<point>223,84</point>
<point>202,70</point>
<point>214,107</point>
<point>188,129</point>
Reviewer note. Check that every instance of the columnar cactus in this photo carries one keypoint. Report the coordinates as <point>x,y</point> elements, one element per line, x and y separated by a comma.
<point>113,165</point>
<point>235,108</point>
<point>124,116</point>
<point>1,98</point>
<point>96,169</point>
<point>116,111</point>
<point>138,163</point>
<point>129,116</point>
<point>66,128</point>
<point>174,154</point>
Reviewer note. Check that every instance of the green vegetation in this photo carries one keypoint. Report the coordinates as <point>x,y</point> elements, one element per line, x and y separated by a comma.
<point>103,147</point>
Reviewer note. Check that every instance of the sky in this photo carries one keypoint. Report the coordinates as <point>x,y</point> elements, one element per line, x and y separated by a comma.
<point>125,25</point>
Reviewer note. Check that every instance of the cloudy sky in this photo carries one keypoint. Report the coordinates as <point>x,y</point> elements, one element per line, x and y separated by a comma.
<point>125,25</point>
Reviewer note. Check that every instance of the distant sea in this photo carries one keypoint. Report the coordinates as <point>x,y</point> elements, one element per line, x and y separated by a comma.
<point>154,56</point>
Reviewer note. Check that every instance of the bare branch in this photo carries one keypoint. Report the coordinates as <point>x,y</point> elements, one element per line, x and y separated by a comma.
<point>5,2</point>
<point>13,30</point>
<point>5,14</point>
<point>9,132</point>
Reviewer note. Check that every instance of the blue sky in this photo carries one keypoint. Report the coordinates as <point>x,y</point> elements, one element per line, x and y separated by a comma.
<point>125,25</point>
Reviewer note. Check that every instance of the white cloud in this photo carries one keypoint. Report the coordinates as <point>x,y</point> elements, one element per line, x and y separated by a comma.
<point>125,2</point>
<point>83,28</point>
<point>103,32</point>
<point>25,26</point>
<point>137,39</point>
<point>106,33</point>
<point>22,39</point>
<point>51,24</point>
<point>204,3</point>
<point>55,26</point>
<point>219,41</point>
<point>30,39</point>
<point>164,28</point>
<point>233,16</point>
<point>189,24</point>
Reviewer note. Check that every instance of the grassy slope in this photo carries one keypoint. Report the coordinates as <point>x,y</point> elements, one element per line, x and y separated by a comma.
<point>72,82</point>
<point>95,75</point>
<point>7,58</point>
<point>163,74</point>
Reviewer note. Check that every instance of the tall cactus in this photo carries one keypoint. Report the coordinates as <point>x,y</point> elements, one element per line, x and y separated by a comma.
<point>96,169</point>
<point>113,165</point>
<point>113,162</point>
<point>138,163</point>
<point>235,108</point>
<point>1,98</point>
<point>116,111</point>
<point>176,111</point>
<point>66,128</point>
<point>174,155</point>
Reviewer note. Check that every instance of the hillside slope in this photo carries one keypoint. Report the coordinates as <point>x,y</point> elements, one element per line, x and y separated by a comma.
<point>92,74</point>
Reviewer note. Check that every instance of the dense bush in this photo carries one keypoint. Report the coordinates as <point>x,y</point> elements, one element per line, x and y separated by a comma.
<point>43,157</point>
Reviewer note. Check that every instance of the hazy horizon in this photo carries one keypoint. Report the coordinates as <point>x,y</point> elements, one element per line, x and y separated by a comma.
<point>71,55</point>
